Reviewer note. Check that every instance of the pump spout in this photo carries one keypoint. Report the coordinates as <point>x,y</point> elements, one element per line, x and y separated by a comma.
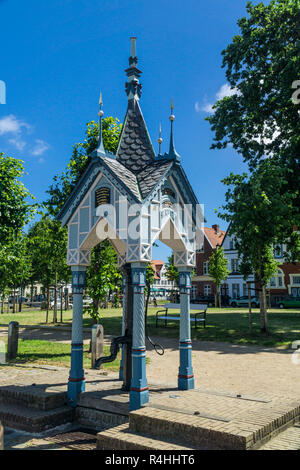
<point>114,349</point>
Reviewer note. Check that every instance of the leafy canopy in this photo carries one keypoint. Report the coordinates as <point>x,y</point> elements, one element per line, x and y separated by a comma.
<point>218,266</point>
<point>63,184</point>
<point>17,205</point>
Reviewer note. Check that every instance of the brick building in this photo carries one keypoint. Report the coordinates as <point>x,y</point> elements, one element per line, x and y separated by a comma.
<point>202,283</point>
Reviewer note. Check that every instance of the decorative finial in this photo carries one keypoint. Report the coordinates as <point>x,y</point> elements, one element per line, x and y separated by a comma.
<point>172,117</point>
<point>172,151</point>
<point>100,147</point>
<point>133,46</point>
<point>133,87</point>
<point>100,113</point>
<point>159,140</point>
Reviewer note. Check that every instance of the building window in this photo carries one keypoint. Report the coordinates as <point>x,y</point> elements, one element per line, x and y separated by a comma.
<point>276,282</point>
<point>245,289</point>
<point>296,280</point>
<point>207,289</point>
<point>168,192</point>
<point>205,267</point>
<point>193,292</point>
<point>231,245</point>
<point>102,196</point>
<point>278,251</point>
<point>235,290</point>
<point>234,265</point>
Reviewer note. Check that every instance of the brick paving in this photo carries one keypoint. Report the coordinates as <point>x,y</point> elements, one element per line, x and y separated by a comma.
<point>221,369</point>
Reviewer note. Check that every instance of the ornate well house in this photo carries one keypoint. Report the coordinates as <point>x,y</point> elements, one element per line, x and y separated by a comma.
<point>132,198</point>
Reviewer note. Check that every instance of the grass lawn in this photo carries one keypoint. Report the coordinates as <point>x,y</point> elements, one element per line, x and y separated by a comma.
<point>226,324</point>
<point>46,352</point>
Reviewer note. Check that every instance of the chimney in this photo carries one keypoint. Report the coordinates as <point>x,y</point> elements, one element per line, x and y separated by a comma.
<point>216,228</point>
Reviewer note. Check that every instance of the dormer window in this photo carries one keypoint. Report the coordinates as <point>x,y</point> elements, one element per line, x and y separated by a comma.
<point>168,192</point>
<point>102,196</point>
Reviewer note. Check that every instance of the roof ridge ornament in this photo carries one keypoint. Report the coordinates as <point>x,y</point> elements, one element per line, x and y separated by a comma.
<point>133,87</point>
<point>159,140</point>
<point>172,151</point>
<point>100,146</point>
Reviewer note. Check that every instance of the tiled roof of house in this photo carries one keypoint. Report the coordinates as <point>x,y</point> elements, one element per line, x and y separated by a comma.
<point>157,265</point>
<point>214,236</point>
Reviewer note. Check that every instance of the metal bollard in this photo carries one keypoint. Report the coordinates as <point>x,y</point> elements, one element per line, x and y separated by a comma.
<point>12,340</point>
<point>97,343</point>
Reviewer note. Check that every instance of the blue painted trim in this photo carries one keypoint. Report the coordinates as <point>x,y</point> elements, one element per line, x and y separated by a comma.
<point>185,373</point>
<point>139,392</point>
<point>76,383</point>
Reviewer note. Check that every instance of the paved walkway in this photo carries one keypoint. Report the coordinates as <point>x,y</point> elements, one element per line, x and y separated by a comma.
<point>225,366</point>
<point>217,365</point>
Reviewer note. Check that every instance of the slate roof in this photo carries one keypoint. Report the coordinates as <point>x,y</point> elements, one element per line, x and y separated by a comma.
<point>135,150</point>
<point>125,175</point>
<point>150,176</point>
<point>140,184</point>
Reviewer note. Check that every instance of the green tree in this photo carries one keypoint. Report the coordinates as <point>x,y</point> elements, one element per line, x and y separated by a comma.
<point>149,281</point>
<point>17,205</point>
<point>218,270</point>
<point>253,213</point>
<point>172,271</point>
<point>64,183</point>
<point>103,276</point>
<point>47,242</point>
<point>15,266</point>
<point>261,118</point>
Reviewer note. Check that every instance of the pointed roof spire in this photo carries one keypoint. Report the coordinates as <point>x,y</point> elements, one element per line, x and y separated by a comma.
<point>135,150</point>
<point>172,150</point>
<point>100,146</point>
<point>133,87</point>
<point>159,140</point>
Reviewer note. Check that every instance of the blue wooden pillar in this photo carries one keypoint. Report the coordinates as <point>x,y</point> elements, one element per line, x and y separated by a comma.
<point>76,383</point>
<point>121,371</point>
<point>186,374</point>
<point>139,392</point>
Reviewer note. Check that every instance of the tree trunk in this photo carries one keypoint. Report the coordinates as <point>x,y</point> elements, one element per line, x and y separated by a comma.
<point>55,301</point>
<point>263,309</point>
<point>2,304</point>
<point>61,304</point>
<point>67,299</point>
<point>250,309</point>
<point>14,300</point>
<point>47,301</point>
<point>31,292</point>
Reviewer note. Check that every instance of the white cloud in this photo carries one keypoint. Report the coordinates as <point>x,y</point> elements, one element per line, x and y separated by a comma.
<point>18,143</point>
<point>15,128</point>
<point>225,90</point>
<point>40,147</point>
<point>10,124</point>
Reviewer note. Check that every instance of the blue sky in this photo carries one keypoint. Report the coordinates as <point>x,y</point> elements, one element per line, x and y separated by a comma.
<point>56,56</point>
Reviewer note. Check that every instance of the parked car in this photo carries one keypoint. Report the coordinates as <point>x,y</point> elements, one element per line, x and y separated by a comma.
<point>244,302</point>
<point>204,299</point>
<point>58,304</point>
<point>18,299</point>
<point>290,302</point>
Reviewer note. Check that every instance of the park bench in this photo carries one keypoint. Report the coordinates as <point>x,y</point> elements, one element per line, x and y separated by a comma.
<point>196,317</point>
